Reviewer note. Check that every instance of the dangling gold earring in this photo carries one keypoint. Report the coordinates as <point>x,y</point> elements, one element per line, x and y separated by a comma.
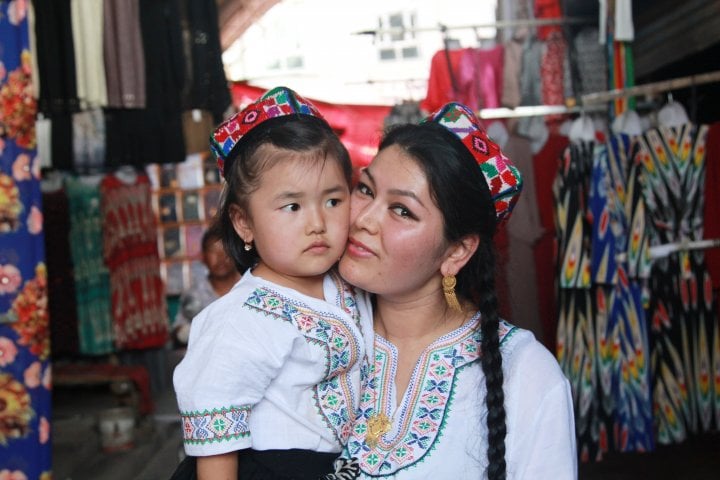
<point>448,283</point>
<point>248,246</point>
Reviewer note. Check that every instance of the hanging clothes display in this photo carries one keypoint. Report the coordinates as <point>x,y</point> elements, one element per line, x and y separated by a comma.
<point>584,346</point>
<point>130,250</point>
<point>92,279</point>
<point>685,356</point>
<point>25,371</point>
<point>616,206</point>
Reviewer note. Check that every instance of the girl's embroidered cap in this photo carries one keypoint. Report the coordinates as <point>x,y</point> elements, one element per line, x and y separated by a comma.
<point>277,102</point>
<point>503,178</point>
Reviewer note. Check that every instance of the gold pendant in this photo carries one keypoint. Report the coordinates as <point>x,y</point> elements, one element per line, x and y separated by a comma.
<point>378,425</point>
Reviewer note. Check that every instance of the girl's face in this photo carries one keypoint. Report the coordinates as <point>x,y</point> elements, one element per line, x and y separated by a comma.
<point>297,219</point>
<point>396,244</point>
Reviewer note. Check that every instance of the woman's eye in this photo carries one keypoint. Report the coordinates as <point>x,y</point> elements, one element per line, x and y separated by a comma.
<point>333,202</point>
<point>402,211</point>
<point>364,189</point>
<point>293,207</point>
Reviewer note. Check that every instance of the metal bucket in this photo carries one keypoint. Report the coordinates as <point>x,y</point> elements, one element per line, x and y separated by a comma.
<point>117,428</point>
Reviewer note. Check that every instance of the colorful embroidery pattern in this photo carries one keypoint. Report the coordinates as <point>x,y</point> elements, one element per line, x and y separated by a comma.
<point>419,420</point>
<point>334,395</point>
<point>216,425</point>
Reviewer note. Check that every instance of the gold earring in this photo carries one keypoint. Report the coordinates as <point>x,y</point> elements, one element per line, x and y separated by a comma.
<point>448,283</point>
<point>248,246</point>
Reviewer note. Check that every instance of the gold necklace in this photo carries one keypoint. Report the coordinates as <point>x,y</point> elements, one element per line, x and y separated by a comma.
<point>378,425</point>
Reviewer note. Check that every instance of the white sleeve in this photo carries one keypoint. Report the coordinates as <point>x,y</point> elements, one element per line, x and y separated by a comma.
<point>541,423</point>
<point>233,355</point>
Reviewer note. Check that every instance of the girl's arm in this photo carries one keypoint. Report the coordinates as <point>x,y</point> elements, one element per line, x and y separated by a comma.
<point>218,467</point>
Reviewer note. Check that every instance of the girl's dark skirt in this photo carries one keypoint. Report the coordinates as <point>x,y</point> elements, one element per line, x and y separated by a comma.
<point>293,464</point>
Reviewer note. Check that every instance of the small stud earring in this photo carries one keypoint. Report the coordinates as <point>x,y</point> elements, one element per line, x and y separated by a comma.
<point>248,247</point>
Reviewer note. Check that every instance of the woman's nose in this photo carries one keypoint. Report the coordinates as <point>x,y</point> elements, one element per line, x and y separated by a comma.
<point>365,217</point>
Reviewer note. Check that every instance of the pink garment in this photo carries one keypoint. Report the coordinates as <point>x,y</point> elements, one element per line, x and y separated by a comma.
<point>481,74</point>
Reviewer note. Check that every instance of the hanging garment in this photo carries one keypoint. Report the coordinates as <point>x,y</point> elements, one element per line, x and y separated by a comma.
<point>87,32</point>
<point>92,287</point>
<point>685,346</point>
<point>524,229</point>
<point>88,130</point>
<point>124,54</point>
<point>130,250</point>
<point>61,284</point>
<point>582,309</point>
<point>620,325</point>
<point>711,220</point>
<point>545,167</point>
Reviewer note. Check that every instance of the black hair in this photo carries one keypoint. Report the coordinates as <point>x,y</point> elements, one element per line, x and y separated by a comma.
<point>244,168</point>
<point>460,191</point>
<point>212,234</point>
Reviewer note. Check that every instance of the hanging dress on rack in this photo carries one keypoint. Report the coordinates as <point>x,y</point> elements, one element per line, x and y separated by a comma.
<point>578,334</point>
<point>685,347</point>
<point>137,292</point>
<point>623,355</point>
<point>92,287</point>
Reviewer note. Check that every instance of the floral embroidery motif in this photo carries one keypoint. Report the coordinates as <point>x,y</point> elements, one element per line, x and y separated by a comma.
<point>215,426</point>
<point>335,395</point>
<point>419,420</point>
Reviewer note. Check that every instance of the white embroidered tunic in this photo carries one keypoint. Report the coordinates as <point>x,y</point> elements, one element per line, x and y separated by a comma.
<point>270,368</point>
<point>438,429</point>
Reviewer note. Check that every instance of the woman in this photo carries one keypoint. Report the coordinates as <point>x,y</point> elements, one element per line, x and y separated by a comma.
<point>454,392</point>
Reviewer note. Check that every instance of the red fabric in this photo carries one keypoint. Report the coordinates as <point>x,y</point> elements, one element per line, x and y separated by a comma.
<point>546,163</point>
<point>358,126</point>
<point>481,77</point>
<point>440,87</point>
<point>712,201</point>
<point>137,292</point>
<point>552,72</point>
<point>104,372</point>
<point>547,9</point>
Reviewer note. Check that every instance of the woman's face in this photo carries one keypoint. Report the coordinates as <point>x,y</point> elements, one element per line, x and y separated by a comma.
<point>396,243</point>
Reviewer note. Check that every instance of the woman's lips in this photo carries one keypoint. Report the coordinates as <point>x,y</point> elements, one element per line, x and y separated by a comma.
<point>358,249</point>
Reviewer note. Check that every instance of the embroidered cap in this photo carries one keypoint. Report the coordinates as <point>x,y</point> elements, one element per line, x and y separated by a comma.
<point>277,102</point>
<point>503,178</point>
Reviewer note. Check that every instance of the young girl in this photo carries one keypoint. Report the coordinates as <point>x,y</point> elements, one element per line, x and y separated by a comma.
<point>272,369</point>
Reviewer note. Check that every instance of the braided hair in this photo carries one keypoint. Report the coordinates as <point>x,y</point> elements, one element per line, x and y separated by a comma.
<point>460,191</point>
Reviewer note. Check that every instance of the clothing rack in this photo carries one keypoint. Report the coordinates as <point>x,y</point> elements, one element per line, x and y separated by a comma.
<point>528,22</point>
<point>650,88</point>
<point>536,111</point>
<point>660,251</point>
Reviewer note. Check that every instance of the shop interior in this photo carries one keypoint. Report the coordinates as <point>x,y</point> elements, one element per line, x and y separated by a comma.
<point>103,209</point>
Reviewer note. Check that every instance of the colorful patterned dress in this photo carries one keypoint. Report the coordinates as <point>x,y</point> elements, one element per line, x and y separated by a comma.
<point>623,358</point>
<point>438,429</point>
<point>25,370</point>
<point>92,278</point>
<point>685,346</point>
<point>584,343</point>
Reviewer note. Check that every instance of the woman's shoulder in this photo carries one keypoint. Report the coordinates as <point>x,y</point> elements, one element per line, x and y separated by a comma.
<point>523,355</point>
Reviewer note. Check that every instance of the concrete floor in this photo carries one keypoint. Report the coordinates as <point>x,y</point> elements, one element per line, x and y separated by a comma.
<point>77,444</point>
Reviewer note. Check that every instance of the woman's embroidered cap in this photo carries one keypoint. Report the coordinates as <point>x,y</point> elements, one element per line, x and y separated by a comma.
<point>502,176</point>
<point>277,102</point>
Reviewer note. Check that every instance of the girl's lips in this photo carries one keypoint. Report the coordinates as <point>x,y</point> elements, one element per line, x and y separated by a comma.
<point>358,249</point>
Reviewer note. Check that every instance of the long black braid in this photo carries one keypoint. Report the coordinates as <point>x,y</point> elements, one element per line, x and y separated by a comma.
<point>463,196</point>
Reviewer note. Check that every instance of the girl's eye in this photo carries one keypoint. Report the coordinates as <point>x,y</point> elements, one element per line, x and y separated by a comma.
<point>293,207</point>
<point>333,202</point>
<point>364,189</point>
<point>401,211</point>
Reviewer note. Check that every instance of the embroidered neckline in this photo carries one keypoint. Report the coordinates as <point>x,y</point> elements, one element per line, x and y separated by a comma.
<point>418,421</point>
<point>334,395</point>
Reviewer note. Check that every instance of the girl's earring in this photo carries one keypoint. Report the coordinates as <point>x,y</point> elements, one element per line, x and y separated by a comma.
<point>448,283</point>
<point>248,246</point>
